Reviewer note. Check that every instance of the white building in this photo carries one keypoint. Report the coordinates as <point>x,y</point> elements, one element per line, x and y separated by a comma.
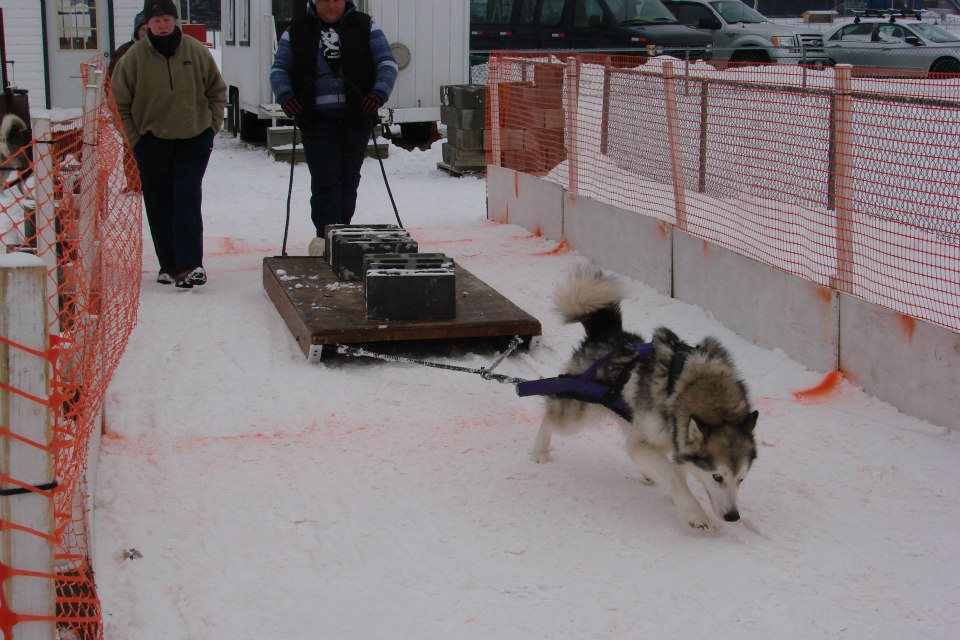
<point>48,40</point>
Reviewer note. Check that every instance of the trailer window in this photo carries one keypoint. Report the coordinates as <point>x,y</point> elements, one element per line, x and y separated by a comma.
<point>77,24</point>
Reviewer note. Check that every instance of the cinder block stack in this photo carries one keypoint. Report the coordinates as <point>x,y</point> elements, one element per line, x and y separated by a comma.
<point>462,109</point>
<point>532,122</point>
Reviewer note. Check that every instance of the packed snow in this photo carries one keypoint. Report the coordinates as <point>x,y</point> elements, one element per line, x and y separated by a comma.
<point>274,498</point>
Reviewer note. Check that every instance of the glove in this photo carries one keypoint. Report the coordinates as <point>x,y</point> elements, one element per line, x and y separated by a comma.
<point>370,103</point>
<point>292,107</point>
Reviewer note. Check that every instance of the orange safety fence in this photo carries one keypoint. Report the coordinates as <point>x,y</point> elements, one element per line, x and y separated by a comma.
<point>72,197</point>
<point>847,181</point>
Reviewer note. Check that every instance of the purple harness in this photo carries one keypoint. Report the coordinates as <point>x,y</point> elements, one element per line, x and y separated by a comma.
<point>583,387</point>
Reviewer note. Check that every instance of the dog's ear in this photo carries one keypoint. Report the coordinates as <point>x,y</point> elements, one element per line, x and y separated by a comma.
<point>751,421</point>
<point>696,430</point>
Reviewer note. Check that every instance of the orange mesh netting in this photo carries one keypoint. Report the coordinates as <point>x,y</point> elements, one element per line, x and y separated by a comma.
<point>849,182</point>
<point>72,197</point>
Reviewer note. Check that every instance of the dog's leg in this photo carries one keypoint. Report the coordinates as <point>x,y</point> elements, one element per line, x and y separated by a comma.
<point>670,476</point>
<point>541,446</point>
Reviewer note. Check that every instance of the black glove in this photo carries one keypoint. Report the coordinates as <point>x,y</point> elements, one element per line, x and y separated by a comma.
<point>292,107</point>
<point>370,103</point>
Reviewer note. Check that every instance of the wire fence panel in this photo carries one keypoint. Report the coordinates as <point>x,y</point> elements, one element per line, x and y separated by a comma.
<point>845,181</point>
<point>72,197</point>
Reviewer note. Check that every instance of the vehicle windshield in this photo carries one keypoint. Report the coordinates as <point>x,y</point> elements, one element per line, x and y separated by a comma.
<point>734,11</point>
<point>934,33</point>
<point>640,11</point>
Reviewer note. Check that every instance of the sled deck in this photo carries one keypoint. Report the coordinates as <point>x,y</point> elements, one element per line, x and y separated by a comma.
<point>323,311</point>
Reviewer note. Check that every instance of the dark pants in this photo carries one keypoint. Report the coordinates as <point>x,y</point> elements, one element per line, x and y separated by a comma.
<point>171,172</point>
<point>335,150</point>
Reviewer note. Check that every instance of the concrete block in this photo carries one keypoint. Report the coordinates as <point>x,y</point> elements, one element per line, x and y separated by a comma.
<point>466,139</point>
<point>410,287</point>
<point>510,139</point>
<point>462,158</point>
<point>463,96</point>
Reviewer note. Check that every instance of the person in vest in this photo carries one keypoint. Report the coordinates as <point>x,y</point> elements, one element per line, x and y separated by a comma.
<point>171,97</point>
<point>332,72</point>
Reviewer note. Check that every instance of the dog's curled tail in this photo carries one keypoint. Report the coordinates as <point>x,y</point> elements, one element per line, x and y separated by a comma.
<point>593,299</point>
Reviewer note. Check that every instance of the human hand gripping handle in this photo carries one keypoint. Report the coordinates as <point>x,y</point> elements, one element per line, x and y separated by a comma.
<point>370,103</point>
<point>292,107</point>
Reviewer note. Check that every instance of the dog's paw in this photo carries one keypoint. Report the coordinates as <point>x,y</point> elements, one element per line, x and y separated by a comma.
<point>540,457</point>
<point>703,525</point>
<point>696,518</point>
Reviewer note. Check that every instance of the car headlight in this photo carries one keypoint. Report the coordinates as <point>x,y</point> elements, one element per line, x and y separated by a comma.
<point>784,41</point>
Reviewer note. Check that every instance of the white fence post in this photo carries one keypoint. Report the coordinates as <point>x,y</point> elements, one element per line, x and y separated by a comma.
<point>843,181</point>
<point>45,212</point>
<point>24,455</point>
<point>493,84</point>
<point>673,139</point>
<point>573,100</point>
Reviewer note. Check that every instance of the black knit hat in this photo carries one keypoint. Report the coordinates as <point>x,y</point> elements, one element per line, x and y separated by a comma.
<point>153,8</point>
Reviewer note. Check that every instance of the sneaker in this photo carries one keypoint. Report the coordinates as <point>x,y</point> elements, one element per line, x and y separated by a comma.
<point>183,283</point>
<point>165,278</point>
<point>316,247</point>
<point>197,277</point>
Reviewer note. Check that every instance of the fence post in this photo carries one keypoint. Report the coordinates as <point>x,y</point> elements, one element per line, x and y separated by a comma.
<point>573,92</point>
<point>842,160</point>
<point>493,86</point>
<point>45,212</point>
<point>27,534</point>
<point>704,103</point>
<point>673,139</point>
<point>605,107</point>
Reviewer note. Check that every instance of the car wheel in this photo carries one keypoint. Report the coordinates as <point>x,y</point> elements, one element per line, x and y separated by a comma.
<point>946,67</point>
<point>748,57</point>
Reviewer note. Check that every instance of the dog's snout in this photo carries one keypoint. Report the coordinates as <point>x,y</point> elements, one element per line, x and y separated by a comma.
<point>731,516</point>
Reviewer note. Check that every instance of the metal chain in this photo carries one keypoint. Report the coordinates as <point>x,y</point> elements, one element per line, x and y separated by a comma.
<point>485,372</point>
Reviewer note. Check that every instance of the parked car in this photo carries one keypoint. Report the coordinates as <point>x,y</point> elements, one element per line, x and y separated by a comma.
<point>616,26</point>
<point>742,35</point>
<point>887,45</point>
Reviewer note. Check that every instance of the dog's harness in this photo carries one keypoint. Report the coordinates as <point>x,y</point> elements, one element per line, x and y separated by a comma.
<point>585,388</point>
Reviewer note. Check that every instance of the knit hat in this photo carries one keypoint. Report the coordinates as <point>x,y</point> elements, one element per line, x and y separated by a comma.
<point>152,8</point>
<point>138,21</point>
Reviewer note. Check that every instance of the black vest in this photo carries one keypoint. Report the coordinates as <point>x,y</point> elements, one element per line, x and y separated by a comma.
<point>356,62</point>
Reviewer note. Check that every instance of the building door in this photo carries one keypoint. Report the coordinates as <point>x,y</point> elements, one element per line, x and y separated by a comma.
<point>77,30</point>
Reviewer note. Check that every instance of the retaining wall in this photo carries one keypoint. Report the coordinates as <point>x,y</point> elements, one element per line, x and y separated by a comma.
<point>913,365</point>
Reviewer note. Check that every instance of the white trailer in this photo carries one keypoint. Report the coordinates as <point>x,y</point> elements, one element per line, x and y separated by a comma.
<point>430,39</point>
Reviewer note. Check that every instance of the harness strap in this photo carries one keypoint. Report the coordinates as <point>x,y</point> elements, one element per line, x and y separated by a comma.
<point>585,388</point>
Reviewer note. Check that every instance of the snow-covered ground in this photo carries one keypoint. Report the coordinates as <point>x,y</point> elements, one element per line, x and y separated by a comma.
<point>272,498</point>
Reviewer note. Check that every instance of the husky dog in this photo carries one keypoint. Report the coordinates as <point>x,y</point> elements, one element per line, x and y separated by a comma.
<point>12,138</point>
<point>686,410</point>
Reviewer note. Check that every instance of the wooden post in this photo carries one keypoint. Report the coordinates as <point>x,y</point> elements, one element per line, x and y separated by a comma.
<point>24,453</point>
<point>573,99</point>
<point>673,139</point>
<point>605,106</point>
<point>493,88</point>
<point>843,163</point>
<point>704,110</point>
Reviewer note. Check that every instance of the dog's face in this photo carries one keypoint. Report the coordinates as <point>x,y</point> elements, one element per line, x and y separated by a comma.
<point>720,457</point>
